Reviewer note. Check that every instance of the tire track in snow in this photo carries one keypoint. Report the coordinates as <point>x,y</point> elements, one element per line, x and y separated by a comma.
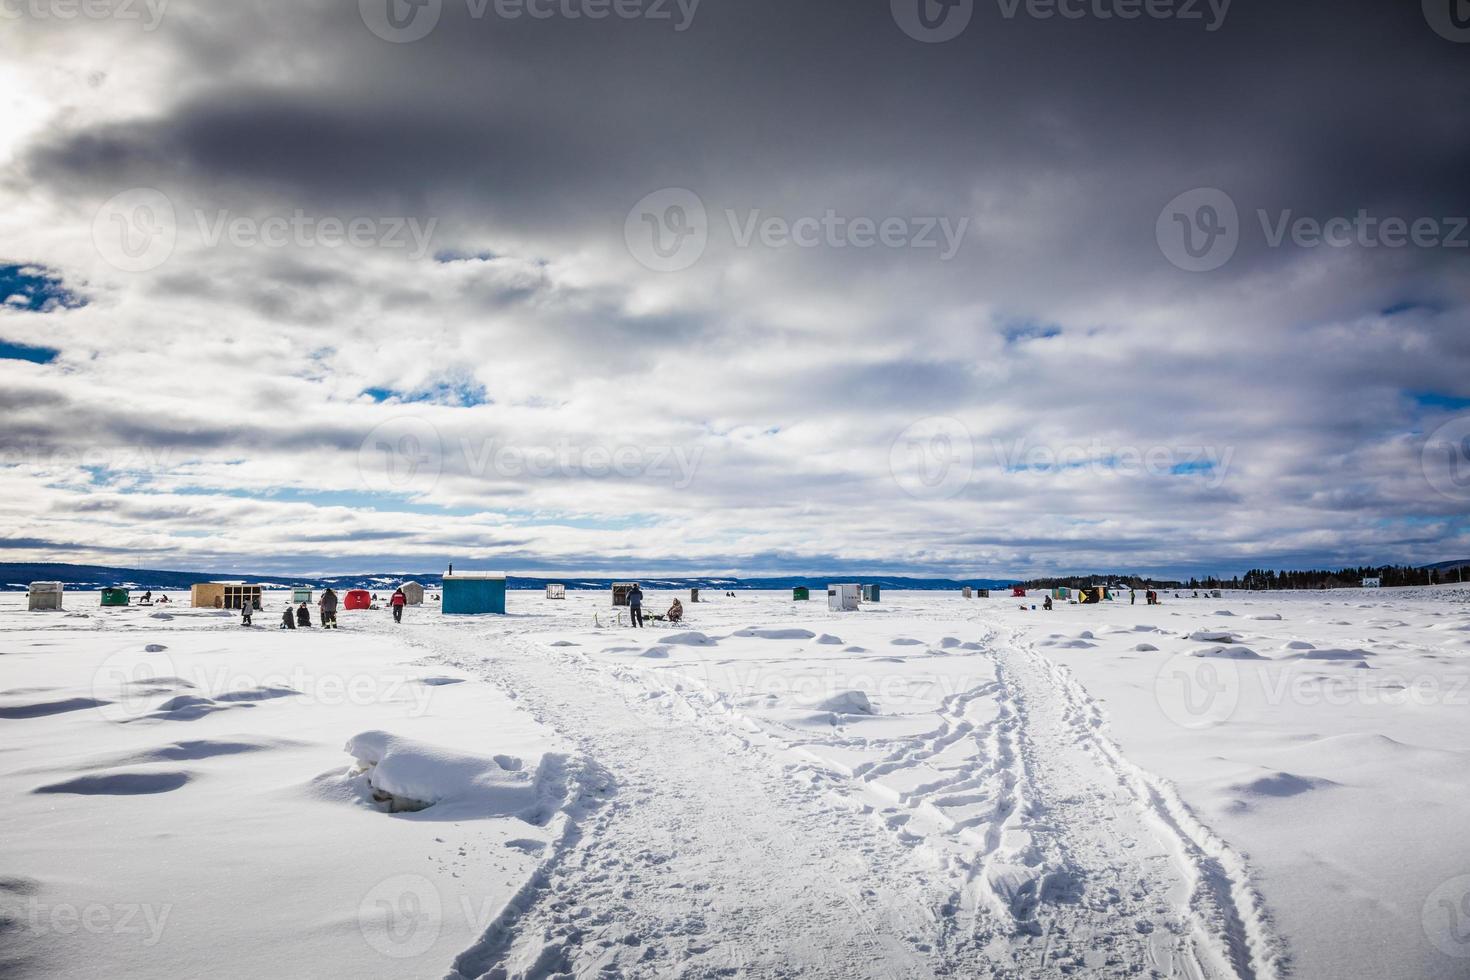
<point>1224,903</point>
<point>705,862</point>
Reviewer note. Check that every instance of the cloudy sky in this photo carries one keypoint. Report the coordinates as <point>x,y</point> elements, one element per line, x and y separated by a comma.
<point>986,287</point>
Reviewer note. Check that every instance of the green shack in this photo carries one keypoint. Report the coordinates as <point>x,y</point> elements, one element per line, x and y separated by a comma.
<point>300,595</point>
<point>801,594</point>
<point>115,597</point>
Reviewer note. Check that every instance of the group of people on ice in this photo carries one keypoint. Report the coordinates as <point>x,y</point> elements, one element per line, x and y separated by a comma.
<point>298,616</point>
<point>635,610</point>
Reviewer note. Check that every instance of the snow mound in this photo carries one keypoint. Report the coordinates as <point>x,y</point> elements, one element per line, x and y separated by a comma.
<point>1330,654</point>
<point>1146,648</point>
<point>1211,636</point>
<point>119,784</point>
<point>777,634</point>
<point>691,639</point>
<point>1275,786</point>
<point>406,775</point>
<point>1300,645</point>
<point>1228,653</point>
<point>1267,617</point>
<point>564,643</point>
<point>906,641</point>
<point>44,709</point>
<point>154,648</point>
<point>829,640</point>
<point>842,703</point>
<point>656,653</point>
<point>949,642</point>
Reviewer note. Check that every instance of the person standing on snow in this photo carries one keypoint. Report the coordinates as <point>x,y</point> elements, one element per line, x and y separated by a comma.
<point>635,606</point>
<point>398,601</point>
<point>328,605</point>
<point>246,608</point>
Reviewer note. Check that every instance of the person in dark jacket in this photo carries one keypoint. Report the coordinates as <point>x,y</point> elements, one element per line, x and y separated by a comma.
<point>398,601</point>
<point>288,618</point>
<point>635,606</point>
<point>246,608</point>
<point>303,616</point>
<point>329,610</point>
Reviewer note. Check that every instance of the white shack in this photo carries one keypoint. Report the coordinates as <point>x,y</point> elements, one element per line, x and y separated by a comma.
<point>844,598</point>
<point>45,595</point>
<point>1372,583</point>
<point>555,590</point>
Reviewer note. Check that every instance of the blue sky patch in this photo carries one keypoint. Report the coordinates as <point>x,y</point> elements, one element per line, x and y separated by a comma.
<point>35,289</point>
<point>25,352</point>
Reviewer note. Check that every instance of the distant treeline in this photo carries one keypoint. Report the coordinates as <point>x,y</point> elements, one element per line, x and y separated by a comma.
<point>1261,579</point>
<point>1088,581</point>
<point>1342,578</point>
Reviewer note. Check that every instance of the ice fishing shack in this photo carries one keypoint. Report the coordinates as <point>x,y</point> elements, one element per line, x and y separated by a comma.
<point>844,598</point>
<point>45,596</point>
<point>474,594</point>
<point>115,597</point>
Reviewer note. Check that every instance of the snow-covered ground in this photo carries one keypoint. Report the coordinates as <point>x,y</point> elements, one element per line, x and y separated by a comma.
<point>1244,787</point>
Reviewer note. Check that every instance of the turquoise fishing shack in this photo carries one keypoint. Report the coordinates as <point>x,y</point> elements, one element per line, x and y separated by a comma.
<point>474,594</point>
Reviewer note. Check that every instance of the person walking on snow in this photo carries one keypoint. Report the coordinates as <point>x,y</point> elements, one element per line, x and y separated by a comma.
<point>635,606</point>
<point>246,608</point>
<point>398,601</point>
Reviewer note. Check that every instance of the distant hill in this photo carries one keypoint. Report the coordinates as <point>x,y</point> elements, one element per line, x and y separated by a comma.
<point>19,575</point>
<point>1448,566</point>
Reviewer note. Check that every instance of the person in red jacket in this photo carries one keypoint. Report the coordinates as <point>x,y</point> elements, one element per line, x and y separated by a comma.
<point>398,601</point>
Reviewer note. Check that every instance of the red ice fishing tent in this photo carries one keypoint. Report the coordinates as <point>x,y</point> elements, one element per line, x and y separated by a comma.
<point>1017,592</point>
<point>357,599</point>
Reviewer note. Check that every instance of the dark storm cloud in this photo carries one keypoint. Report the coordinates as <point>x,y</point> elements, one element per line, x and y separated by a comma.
<point>1318,107</point>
